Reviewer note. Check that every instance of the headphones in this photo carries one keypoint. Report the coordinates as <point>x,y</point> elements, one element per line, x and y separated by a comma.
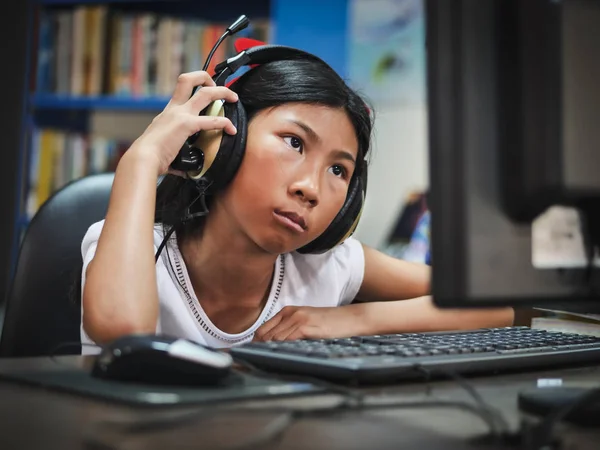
<point>215,156</point>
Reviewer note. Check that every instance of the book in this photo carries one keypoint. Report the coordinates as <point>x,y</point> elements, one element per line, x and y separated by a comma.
<point>59,156</point>
<point>93,50</point>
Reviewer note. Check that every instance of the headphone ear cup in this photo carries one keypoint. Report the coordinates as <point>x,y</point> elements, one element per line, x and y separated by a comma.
<point>231,150</point>
<point>344,224</point>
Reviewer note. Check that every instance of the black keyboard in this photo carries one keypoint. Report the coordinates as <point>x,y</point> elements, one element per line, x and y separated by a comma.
<point>397,356</point>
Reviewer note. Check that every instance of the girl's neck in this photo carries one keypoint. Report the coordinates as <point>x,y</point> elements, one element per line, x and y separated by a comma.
<point>226,268</point>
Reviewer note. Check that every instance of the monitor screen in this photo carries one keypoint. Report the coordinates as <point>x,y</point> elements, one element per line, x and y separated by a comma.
<point>512,103</point>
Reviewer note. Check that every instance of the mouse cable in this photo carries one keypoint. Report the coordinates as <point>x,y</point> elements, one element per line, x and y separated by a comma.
<point>489,414</point>
<point>350,394</point>
<point>276,429</point>
<point>353,394</point>
<point>495,417</point>
<point>96,438</point>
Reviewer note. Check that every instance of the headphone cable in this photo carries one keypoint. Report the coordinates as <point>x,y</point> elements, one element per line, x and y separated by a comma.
<point>202,186</point>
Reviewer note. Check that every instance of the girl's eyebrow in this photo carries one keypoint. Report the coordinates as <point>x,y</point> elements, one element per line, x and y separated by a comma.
<point>343,154</point>
<point>315,138</point>
<point>312,134</point>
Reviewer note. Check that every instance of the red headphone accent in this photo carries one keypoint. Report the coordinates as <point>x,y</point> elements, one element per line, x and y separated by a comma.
<point>242,44</point>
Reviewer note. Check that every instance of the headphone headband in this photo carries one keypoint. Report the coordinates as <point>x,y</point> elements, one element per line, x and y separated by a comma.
<point>260,54</point>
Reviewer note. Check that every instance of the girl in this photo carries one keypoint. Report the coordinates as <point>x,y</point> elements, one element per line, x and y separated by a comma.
<point>235,275</point>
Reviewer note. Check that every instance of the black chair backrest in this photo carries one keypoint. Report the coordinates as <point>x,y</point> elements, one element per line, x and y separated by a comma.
<point>43,307</point>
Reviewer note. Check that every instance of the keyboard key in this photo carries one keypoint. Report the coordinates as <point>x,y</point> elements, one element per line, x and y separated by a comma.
<point>526,350</point>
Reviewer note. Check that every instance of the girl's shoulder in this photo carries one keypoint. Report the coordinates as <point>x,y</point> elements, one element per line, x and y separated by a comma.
<point>337,273</point>
<point>93,234</point>
<point>349,250</point>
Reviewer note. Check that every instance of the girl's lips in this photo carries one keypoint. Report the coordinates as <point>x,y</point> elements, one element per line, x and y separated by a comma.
<point>291,220</point>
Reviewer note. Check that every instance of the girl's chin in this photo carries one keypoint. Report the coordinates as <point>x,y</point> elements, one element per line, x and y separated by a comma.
<point>277,244</point>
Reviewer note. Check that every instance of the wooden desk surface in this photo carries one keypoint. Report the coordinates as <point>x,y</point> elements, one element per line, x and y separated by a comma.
<point>32,418</point>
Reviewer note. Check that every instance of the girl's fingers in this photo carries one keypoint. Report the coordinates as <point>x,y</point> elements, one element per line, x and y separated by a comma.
<point>186,84</point>
<point>212,123</point>
<point>267,327</point>
<point>206,95</point>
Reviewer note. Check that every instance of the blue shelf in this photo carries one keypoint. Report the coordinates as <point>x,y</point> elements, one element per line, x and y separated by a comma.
<point>53,101</point>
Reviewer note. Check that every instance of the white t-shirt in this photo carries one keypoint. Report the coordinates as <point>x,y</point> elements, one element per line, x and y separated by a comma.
<point>329,279</point>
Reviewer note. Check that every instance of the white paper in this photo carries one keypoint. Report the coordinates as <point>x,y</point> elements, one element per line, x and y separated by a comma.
<point>557,241</point>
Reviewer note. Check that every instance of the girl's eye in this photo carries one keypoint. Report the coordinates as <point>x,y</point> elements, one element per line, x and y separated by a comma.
<point>294,142</point>
<point>338,171</point>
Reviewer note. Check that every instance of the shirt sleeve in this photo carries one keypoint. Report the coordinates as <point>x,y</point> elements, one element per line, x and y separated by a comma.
<point>350,258</point>
<point>88,250</point>
<point>89,245</point>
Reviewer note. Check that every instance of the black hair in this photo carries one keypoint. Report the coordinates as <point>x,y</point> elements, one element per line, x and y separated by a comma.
<point>301,80</point>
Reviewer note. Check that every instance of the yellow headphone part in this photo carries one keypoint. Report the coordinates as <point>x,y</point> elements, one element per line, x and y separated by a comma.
<point>209,141</point>
<point>352,229</point>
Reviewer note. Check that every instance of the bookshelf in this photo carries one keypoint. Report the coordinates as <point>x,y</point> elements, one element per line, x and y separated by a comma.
<point>98,102</point>
<point>89,57</point>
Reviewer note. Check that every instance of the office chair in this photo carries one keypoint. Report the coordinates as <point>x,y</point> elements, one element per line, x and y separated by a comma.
<point>43,306</point>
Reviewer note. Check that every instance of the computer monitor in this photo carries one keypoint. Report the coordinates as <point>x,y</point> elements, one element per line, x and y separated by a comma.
<point>514,102</point>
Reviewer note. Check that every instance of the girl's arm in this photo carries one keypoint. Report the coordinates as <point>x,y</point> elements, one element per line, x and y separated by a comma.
<point>387,279</point>
<point>420,314</point>
<point>120,293</point>
<point>371,318</point>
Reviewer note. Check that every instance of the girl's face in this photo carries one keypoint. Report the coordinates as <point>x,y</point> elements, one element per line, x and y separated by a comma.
<point>294,176</point>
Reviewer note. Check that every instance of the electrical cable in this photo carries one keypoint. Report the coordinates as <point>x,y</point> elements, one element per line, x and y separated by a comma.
<point>494,415</point>
<point>202,187</point>
<point>268,434</point>
<point>349,394</point>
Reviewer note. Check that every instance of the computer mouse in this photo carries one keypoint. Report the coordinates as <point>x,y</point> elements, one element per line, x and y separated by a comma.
<point>165,360</point>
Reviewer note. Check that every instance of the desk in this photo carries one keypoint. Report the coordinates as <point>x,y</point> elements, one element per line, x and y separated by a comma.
<point>34,418</point>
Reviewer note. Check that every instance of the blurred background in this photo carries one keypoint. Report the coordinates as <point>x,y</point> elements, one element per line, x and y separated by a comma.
<point>91,75</point>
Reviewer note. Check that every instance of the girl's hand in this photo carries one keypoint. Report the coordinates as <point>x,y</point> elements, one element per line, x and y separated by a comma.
<point>305,322</point>
<point>164,137</point>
